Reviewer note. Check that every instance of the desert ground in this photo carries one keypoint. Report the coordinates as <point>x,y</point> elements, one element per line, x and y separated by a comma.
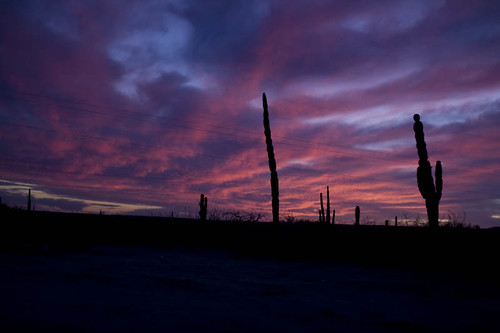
<point>94,286</point>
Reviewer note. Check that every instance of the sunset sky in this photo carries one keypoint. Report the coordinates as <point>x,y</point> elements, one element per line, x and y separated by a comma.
<point>137,107</point>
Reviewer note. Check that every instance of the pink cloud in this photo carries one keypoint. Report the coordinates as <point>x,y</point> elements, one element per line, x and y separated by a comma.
<point>343,81</point>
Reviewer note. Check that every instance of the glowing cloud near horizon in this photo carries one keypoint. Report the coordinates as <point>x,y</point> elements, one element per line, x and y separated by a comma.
<point>148,105</point>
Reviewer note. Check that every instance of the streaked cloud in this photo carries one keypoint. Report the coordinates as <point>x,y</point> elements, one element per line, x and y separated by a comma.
<point>137,105</point>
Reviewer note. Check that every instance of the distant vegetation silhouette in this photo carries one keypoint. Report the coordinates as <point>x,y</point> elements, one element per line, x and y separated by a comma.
<point>430,192</point>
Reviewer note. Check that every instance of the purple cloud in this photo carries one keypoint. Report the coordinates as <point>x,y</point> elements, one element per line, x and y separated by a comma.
<point>142,105</point>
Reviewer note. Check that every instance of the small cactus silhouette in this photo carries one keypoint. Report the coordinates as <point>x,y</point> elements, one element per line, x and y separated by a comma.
<point>356,214</point>
<point>29,200</point>
<point>328,204</point>
<point>324,217</point>
<point>203,207</point>
<point>430,192</point>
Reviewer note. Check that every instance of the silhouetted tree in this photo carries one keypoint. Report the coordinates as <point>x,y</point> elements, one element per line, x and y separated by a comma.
<point>289,217</point>
<point>431,193</point>
<point>272,163</point>
<point>356,214</point>
<point>215,214</point>
<point>238,216</point>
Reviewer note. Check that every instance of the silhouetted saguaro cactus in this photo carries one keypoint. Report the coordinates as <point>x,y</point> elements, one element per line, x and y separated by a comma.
<point>333,217</point>
<point>396,221</point>
<point>322,209</point>
<point>356,214</point>
<point>272,162</point>
<point>29,200</point>
<point>203,207</point>
<point>328,204</point>
<point>431,193</point>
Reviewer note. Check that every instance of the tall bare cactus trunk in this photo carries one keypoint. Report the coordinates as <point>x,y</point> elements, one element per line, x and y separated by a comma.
<point>272,163</point>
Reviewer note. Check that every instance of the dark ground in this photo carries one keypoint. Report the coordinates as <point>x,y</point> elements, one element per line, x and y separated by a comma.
<point>65,272</point>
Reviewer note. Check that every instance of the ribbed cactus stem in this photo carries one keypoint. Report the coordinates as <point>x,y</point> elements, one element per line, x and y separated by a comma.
<point>272,162</point>
<point>430,192</point>
<point>328,205</point>
<point>357,213</point>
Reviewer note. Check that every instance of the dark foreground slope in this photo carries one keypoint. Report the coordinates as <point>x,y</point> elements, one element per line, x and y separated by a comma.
<point>87,273</point>
<point>464,249</point>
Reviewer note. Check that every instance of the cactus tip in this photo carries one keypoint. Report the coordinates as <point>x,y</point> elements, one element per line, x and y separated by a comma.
<point>416,117</point>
